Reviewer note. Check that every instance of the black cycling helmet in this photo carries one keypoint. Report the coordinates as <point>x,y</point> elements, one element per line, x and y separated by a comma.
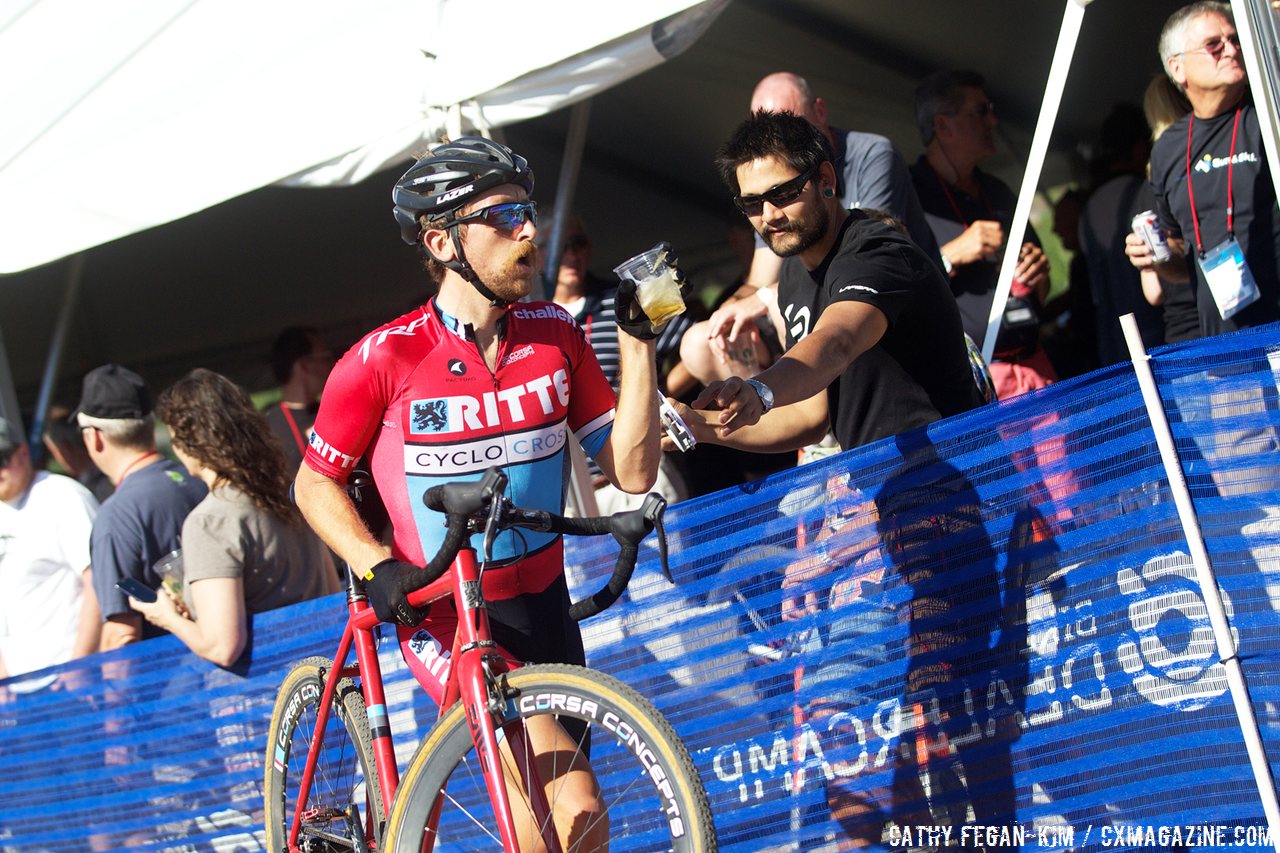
<point>449,176</point>
<point>452,174</point>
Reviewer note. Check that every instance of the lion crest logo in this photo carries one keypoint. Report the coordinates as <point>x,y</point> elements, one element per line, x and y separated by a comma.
<point>429,416</point>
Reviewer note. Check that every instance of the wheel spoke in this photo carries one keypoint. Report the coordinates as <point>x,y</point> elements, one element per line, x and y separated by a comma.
<point>650,797</point>
<point>342,775</point>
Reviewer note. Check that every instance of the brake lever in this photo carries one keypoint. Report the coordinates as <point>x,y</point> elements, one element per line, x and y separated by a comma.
<point>493,484</point>
<point>653,508</point>
<point>491,525</point>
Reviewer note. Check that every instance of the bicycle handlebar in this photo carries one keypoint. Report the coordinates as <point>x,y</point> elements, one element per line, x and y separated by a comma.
<point>465,504</point>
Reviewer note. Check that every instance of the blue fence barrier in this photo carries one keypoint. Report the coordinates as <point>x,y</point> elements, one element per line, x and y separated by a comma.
<point>988,632</point>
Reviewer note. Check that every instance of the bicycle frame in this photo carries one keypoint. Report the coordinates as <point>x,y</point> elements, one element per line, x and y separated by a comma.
<point>474,678</point>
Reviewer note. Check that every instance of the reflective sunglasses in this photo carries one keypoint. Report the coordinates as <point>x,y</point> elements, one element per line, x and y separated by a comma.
<point>506,218</point>
<point>782,194</point>
<point>1215,46</point>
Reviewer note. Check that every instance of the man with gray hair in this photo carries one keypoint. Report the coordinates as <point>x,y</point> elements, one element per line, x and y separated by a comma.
<point>1214,195</point>
<point>970,212</point>
<point>142,521</point>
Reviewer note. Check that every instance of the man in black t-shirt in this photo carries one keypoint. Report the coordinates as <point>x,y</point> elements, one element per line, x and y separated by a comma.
<point>1225,171</point>
<point>869,318</point>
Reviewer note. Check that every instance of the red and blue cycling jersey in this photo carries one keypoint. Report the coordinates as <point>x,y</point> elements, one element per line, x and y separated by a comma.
<point>416,396</point>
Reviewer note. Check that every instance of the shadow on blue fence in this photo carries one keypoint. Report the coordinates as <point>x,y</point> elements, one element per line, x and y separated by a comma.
<point>987,632</point>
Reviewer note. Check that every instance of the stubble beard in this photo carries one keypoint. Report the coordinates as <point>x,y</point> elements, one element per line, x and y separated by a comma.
<point>513,279</point>
<point>799,235</point>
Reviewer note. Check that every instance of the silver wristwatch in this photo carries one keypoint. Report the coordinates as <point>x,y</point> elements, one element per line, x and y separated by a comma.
<point>763,392</point>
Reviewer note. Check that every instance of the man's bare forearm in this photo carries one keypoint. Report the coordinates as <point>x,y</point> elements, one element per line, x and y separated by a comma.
<point>329,510</point>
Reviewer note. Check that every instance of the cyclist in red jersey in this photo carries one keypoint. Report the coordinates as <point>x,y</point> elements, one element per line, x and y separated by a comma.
<point>468,381</point>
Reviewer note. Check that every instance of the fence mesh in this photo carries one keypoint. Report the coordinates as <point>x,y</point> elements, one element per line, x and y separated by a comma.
<point>992,623</point>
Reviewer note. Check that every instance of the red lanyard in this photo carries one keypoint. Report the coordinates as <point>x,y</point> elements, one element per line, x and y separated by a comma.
<point>293,425</point>
<point>955,207</point>
<point>134,464</point>
<point>1191,195</point>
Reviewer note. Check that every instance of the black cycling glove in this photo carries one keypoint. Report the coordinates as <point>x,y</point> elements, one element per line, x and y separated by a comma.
<point>387,585</point>
<point>626,308</point>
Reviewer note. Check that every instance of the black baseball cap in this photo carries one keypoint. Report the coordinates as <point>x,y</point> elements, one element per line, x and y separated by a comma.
<point>113,393</point>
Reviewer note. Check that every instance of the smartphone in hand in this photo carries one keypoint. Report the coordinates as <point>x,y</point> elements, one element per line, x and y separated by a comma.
<point>137,589</point>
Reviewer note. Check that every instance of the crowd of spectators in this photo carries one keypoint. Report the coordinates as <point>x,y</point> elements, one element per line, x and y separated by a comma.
<point>854,318</point>
<point>814,346</point>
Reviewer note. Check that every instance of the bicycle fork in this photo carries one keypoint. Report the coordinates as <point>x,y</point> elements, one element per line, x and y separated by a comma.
<point>481,686</point>
<point>358,632</point>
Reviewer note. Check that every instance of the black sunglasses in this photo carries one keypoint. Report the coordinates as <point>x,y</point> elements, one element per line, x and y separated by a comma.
<point>784,193</point>
<point>506,218</point>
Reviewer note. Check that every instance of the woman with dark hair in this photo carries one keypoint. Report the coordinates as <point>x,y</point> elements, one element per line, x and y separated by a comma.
<point>245,547</point>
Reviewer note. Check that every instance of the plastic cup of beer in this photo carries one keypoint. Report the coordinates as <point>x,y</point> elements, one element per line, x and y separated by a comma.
<point>169,568</point>
<point>657,289</point>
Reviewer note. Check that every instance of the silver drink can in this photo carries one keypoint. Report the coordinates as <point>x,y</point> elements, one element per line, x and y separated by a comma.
<point>677,430</point>
<point>1148,227</point>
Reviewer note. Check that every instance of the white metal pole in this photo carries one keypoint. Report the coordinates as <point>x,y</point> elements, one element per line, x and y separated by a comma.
<point>1253,40</point>
<point>8,395</point>
<point>1226,646</point>
<point>1072,17</point>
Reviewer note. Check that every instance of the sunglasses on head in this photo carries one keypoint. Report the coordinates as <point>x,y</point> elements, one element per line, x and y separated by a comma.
<point>782,194</point>
<point>506,218</point>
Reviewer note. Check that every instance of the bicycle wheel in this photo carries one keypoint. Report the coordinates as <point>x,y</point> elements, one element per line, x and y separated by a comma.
<point>648,784</point>
<point>345,772</point>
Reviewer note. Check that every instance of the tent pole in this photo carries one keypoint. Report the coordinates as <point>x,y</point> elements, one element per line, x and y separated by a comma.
<point>581,497</point>
<point>1072,17</point>
<point>1208,583</point>
<point>8,396</point>
<point>570,167</point>
<point>57,346</point>
<point>1254,23</point>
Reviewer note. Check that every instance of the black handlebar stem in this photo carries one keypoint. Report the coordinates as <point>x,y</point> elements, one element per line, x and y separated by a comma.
<point>469,505</point>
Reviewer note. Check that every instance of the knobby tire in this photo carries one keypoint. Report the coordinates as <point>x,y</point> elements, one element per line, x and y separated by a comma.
<point>345,771</point>
<point>645,812</point>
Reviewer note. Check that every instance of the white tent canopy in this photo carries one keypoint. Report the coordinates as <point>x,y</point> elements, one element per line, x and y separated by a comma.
<point>122,116</point>
<point>125,115</point>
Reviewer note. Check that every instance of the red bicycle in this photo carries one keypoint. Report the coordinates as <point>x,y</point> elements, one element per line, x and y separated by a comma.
<point>474,782</point>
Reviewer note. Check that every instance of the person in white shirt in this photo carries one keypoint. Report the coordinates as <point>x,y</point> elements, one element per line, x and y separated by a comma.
<point>48,610</point>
